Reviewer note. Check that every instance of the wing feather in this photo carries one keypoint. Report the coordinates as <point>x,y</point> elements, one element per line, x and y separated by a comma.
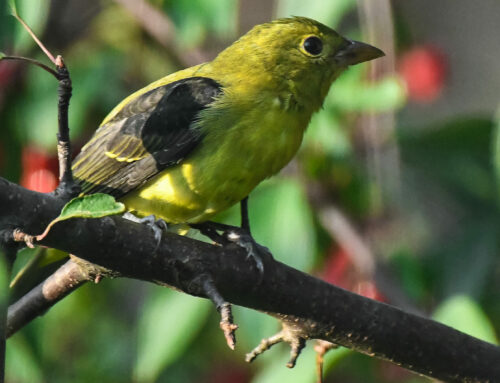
<point>152,132</point>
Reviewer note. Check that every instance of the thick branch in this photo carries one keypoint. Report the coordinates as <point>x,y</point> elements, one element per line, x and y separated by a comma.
<point>320,310</point>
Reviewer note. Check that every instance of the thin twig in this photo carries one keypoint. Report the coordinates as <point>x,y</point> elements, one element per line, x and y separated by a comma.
<point>322,347</point>
<point>32,61</point>
<point>67,188</point>
<point>37,40</point>
<point>378,129</point>
<point>344,232</point>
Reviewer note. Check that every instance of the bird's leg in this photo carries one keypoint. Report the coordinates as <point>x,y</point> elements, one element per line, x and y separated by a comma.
<point>243,237</point>
<point>245,221</point>
<point>207,286</point>
<point>210,229</point>
<point>157,225</point>
<point>239,235</point>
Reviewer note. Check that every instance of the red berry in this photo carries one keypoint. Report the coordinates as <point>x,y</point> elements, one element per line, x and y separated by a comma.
<point>424,70</point>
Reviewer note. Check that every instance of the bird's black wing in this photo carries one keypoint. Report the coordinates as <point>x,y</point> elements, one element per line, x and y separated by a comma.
<point>150,133</point>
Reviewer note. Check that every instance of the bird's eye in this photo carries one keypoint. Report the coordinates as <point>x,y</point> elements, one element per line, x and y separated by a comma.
<point>313,45</point>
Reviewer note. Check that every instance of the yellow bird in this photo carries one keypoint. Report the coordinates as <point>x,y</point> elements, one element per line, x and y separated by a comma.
<point>197,141</point>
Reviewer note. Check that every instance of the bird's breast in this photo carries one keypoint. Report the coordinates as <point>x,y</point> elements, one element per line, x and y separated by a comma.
<point>240,149</point>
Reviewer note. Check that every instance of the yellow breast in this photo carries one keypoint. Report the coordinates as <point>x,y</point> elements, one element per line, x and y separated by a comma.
<point>252,141</point>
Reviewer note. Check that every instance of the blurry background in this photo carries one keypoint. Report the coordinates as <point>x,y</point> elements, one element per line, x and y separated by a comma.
<point>394,193</point>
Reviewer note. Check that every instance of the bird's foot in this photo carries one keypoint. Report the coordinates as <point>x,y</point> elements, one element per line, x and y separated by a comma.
<point>254,250</point>
<point>157,225</point>
<point>203,284</point>
<point>239,236</point>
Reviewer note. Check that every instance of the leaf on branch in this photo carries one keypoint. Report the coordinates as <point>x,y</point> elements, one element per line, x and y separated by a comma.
<point>2,55</point>
<point>89,206</point>
<point>13,8</point>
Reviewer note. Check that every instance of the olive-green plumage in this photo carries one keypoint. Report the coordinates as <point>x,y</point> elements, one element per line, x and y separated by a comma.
<point>199,140</point>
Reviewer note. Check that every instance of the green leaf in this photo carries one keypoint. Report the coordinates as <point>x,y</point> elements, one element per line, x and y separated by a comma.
<point>2,55</point>
<point>351,93</point>
<point>281,219</point>
<point>253,327</point>
<point>169,323</point>
<point>328,12</point>
<point>13,8</point>
<point>21,362</point>
<point>305,370</point>
<point>89,206</point>
<point>456,155</point>
<point>326,133</point>
<point>35,14</point>
<point>195,19</point>
<point>464,314</point>
<point>410,273</point>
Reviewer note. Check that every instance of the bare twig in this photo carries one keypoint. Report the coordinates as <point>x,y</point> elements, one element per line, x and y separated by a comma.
<point>344,232</point>
<point>31,61</point>
<point>67,187</point>
<point>322,347</point>
<point>291,333</point>
<point>34,37</point>
<point>66,279</point>
<point>378,128</point>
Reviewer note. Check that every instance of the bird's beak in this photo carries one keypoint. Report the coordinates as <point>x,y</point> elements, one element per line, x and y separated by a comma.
<point>355,52</point>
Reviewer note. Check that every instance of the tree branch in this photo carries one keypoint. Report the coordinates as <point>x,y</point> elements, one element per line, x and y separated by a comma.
<point>311,307</point>
<point>65,280</point>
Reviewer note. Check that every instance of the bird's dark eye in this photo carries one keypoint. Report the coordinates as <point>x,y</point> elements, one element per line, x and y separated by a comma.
<point>313,45</point>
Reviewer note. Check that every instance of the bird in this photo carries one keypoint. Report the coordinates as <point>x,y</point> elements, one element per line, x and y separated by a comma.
<point>198,141</point>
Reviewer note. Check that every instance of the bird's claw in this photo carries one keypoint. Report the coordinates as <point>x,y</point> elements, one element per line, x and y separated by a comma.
<point>157,225</point>
<point>240,237</point>
<point>254,251</point>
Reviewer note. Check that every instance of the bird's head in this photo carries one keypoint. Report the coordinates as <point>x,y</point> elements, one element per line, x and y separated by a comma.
<point>295,54</point>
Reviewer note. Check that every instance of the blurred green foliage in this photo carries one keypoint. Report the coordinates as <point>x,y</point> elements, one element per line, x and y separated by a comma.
<point>197,19</point>
<point>443,252</point>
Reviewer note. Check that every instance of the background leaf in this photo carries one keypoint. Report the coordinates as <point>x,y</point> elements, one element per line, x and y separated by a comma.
<point>282,220</point>
<point>169,323</point>
<point>464,314</point>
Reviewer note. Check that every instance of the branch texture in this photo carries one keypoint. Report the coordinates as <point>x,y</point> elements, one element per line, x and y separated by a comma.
<point>313,307</point>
